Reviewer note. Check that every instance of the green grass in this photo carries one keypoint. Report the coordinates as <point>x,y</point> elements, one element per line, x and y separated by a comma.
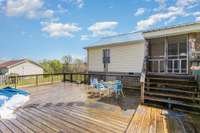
<point>26,81</point>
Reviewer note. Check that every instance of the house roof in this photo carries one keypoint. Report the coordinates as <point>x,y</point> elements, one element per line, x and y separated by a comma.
<point>171,27</point>
<point>118,39</point>
<point>12,63</point>
<point>141,36</point>
<point>172,30</point>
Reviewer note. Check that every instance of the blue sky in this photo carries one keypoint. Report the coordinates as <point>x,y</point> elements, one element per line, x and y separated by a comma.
<point>50,29</point>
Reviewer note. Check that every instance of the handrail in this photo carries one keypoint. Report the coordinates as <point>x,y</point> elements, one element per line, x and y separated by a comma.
<point>38,79</point>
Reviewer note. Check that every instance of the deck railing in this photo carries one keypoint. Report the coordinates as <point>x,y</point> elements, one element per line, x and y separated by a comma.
<point>129,81</point>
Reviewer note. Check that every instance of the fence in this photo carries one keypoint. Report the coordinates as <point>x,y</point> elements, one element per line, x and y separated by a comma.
<point>129,81</point>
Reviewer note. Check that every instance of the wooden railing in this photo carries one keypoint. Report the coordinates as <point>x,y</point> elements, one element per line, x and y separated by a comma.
<point>129,81</point>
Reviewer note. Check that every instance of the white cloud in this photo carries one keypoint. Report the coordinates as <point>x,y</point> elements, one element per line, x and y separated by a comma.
<point>196,15</point>
<point>48,13</point>
<point>85,37</point>
<point>184,3</point>
<point>23,7</point>
<point>140,11</point>
<point>198,18</point>
<point>103,28</point>
<point>60,29</point>
<point>79,3</point>
<point>169,14</point>
<point>27,8</point>
<point>162,5</point>
<point>61,9</point>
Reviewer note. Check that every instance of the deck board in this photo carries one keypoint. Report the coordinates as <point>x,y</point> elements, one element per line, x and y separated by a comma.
<point>153,120</point>
<point>62,108</point>
<point>62,118</point>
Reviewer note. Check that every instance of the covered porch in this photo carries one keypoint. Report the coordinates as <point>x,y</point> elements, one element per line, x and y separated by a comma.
<point>169,55</point>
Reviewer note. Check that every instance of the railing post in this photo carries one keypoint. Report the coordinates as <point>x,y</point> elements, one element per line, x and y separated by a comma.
<point>52,78</point>
<point>64,77</point>
<point>71,77</point>
<point>36,80</point>
<point>142,92</point>
<point>85,82</point>
<point>89,76</point>
<point>15,81</point>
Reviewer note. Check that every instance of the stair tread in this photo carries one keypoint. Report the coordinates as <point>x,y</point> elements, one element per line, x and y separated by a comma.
<point>172,95</point>
<point>172,90</point>
<point>174,84</point>
<point>171,79</point>
<point>172,76</point>
<point>172,102</point>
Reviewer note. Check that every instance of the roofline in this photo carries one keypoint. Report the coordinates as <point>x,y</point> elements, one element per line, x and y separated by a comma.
<point>112,44</point>
<point>143,32</point>
<point>23,60</point>
<point>171,27</point>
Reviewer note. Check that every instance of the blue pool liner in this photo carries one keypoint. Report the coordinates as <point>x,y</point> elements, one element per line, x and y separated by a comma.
<point>9,92</point>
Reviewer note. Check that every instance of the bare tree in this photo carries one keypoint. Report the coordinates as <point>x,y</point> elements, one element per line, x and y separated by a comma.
<point>66,62</point>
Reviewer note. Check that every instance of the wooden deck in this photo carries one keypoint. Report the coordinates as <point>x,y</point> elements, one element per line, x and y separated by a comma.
<point>65,108</point>
<point>63,118</point>
<point>154,120</point>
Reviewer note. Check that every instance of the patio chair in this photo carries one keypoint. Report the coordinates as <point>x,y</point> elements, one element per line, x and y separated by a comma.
<point>118,88</point>
<point>93,82</point>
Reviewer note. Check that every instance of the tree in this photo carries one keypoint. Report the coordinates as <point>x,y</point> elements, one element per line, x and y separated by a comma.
<point>56,66</point>
<point>79,66</point>
<point>66,62</point>
<point>52,66</point>
<point>46,66</point>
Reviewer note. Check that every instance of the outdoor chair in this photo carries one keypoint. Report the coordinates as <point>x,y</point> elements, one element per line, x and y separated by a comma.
<point>118,88</point>
<point>98,85</point>
<point>93,82</point>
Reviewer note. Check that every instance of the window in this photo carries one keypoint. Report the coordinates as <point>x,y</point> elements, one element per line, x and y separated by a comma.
<point>106,56</point>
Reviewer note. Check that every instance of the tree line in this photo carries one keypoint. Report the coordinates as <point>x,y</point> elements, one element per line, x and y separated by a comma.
<point>66,64</point>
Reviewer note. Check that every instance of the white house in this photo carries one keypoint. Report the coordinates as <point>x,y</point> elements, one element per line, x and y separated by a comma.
<point>20,67</point>
<point>170,50</point>
<point>165,60</point>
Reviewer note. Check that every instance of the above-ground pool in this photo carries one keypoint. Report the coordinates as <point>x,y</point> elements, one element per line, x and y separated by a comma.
<point>10,100</point>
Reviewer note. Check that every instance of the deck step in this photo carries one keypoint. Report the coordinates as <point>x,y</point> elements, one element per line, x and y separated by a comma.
<point>180,91</point>
<point>172,90</point>
<point>173,102</point>
<point>175,96</point>
<point>175,85</point>
<point>172,79</point>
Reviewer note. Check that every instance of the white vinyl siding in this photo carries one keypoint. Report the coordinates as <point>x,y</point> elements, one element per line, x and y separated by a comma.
<point>95,60</point>
<point>26,68</point>
<point>123,58</point>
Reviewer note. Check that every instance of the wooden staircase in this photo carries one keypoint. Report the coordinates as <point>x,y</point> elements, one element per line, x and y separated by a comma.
<point>175,92</point>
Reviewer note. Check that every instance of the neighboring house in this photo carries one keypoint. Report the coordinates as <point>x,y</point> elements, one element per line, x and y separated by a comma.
<point>171,50</point>
<point>20,67</point>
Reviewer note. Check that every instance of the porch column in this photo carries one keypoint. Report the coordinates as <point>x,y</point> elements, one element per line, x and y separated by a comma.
<point>165,55</point>
<point>191,49</point>
<point>144,69</point>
